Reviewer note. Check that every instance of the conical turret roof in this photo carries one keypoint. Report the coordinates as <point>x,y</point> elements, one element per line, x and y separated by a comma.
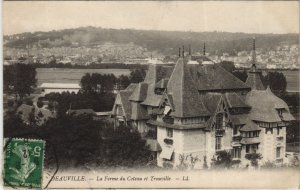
<point>254,76</point>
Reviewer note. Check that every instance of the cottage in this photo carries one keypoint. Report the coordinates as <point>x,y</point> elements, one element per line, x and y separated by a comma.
<point>195,110</point>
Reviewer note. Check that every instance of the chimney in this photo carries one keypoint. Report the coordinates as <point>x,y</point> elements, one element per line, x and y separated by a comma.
<point>190,50</point>
<point>179,52</point>
<point>183,51</point>
<point>204,49</point>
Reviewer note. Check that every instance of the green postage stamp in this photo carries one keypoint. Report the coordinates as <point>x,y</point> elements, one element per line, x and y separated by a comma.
<point>24,163</point>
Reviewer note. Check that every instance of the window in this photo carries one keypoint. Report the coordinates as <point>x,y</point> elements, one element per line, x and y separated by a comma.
<point>236,153</point>
<point>278,152</point>
<point>219,121</point>
<point>278,130</point>
<point>235,130</point>
<point>280,112</point>
<point>247,148</point>
<point>254,148</point>
<point>255,133</point>
<point>218,143</point>
<point>269,129</point>
<point>169,132</point>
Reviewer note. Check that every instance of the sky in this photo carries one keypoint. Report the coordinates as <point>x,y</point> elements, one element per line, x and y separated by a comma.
<point>197,16</point>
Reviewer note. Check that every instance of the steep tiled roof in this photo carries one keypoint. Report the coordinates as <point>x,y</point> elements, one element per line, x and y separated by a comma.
<point>250,126</point>
<point>43,114</point>
<point>211,101</point>
<point>162,83</point>
<point>254,80</point>
<point>235,101</point>
<point>186,99</point>
<point>124,95</point>
<point>214,78</point>
<point>138,112</point>
<point>264,104</point>
<point>131,87</point>
<point>239,119</point>
<point>152,99</point>
<point>139,93</point>
<point>156,73</point>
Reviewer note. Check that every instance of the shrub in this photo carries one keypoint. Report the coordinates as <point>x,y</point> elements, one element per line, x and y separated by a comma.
<point>40,104</point>
<point>224,159</point>
<point>268,165</point>
<point>10,103</point>
<point>29,102</point>
<point>253,157</point>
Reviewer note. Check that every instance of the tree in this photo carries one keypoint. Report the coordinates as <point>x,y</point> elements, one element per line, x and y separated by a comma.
<point>224,160</point>
<point>276,81</point>
<point>123,81</point>
<point>137,75</point>
<point>19,79</point>
<point>39,104</point>
<point>253,157</point>
<point>97,83</point>
<point>29,102</point>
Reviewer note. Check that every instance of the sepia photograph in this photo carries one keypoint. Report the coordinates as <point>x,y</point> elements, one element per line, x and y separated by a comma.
<point>150,95</point>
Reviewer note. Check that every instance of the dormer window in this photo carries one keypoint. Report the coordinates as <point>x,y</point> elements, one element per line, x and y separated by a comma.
<point>169,132</point>
<point>280,111</point>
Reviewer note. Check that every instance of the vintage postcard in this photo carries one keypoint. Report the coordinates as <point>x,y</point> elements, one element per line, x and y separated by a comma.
<point>150,94</point>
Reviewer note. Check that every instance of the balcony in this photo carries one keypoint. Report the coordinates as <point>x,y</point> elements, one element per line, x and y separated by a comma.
<point>220,132</point>
<point>168,119</point>
<point>236,138</point>
<point>279,138</point>
<point>168,141</point>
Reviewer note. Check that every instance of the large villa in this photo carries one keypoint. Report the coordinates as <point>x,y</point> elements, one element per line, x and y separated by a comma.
<point>199,109</point>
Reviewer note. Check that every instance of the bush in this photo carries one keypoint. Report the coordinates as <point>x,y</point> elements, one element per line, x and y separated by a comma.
<point>268,165</point>
<point>253,157</point>
<point>40,104</point>
<point>224,160</point>
<point>29,102</point>
<point>10,103</point>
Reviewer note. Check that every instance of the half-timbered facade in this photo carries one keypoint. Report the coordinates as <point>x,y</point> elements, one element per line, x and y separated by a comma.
<point>193,110</point>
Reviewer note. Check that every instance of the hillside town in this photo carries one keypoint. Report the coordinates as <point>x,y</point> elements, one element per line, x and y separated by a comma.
<point>284,56</point>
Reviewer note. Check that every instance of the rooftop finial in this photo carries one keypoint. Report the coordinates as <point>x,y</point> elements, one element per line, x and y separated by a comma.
<point>253,54</point>
<point>204,49</point>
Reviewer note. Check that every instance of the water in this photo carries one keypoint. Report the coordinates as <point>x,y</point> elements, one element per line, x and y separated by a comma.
<point>292,78</point>
<point>66,75</point>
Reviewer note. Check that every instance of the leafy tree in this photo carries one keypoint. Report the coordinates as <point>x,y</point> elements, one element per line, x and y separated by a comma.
<point>276,81</point>
<point>10,103</point>
<point>39,104</point>
<point>253,157</point>
<point>19,79</point>
<point>123,81</point>
<point>137,75</point>
<point>97,83</point>
<point>224,160</point>
<point>29,102</point>
<point>81,141</point>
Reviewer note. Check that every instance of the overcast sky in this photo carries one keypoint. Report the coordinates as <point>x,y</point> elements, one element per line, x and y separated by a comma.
<point>230,16</point>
